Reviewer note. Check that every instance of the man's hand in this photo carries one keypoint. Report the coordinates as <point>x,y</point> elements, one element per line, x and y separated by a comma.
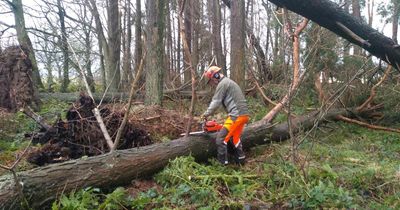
<point>203,117</point>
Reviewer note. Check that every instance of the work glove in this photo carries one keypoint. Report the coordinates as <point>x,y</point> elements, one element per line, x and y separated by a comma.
<point>203,117</point>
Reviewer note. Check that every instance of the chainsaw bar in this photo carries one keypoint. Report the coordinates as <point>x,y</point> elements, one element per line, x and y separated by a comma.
<point>195,133</point>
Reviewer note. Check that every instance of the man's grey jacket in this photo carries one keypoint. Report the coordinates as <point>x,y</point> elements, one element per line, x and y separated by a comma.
<point>230,96</point>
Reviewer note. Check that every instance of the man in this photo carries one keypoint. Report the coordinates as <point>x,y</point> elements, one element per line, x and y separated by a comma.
<point>230,96</point>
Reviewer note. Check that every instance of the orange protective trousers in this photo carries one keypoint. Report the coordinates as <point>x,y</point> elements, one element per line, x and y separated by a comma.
<point>235,128</point>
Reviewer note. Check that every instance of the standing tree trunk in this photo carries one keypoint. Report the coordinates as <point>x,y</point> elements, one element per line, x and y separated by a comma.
<point>357,14</point>
<point>24,40</point>
<point>238,42</point>
<point>88,49</point>
<point>170,52</point>
<point>64,48</point>
<point>395,21</point>
<point>190,66</point>
<point>370,7</point>
<point>126,64</point>
<point>114,46</point>
<point>196,10</point>
<point>346,46</point>
<point>188,33</point>
<point>102,42</point>
<point>215,15</point>
<point>138,40</point>
<point>49,63</point>
<point>178,52</point>
<point>155,51</point>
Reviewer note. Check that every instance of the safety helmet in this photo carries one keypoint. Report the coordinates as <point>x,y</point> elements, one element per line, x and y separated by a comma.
<point>211,71</point>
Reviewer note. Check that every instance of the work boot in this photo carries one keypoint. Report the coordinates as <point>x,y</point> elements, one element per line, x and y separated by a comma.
<point>240,157</point>
<point>222,147</point>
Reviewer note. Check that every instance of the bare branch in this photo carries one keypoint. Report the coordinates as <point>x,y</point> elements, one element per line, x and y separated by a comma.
<point>131,96</point>
<point>367,125</point>
<point>96,109</point>
<point>5,24</point>
<point>10,3</point>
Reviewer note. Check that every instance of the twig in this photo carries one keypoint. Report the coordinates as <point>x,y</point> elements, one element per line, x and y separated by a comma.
<point>373,89</point>
<point>152,118</point>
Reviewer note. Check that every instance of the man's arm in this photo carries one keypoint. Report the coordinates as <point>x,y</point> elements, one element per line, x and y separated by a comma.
<point>216,100</point>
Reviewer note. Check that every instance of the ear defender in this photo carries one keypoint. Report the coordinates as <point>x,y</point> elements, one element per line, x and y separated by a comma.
<point>216,75</point>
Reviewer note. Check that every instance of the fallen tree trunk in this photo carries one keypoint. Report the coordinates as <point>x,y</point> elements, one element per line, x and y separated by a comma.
<point>329,15</point>
<point>42,185</point>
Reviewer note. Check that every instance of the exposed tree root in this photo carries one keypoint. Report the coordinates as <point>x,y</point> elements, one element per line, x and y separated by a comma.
<point>80,135</point>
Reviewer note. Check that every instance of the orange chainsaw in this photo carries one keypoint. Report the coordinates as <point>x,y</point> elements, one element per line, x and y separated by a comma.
<point>208,126</point>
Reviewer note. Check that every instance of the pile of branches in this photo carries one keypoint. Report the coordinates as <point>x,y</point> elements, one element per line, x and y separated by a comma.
<point>80,135</point>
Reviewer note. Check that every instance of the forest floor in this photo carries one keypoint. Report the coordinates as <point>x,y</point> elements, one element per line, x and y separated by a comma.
<point>339,165</point>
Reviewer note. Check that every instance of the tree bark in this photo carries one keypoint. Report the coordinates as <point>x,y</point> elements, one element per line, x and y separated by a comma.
<point>138,40</point>
<point>64,48</point>
<point>44,184</point>
<point>88,49</point>
<point>357,14</point>
<point>214,8</point>
<point>114,46</point>
<point>24,40</point>
<point>329,15</point>
<point>238,42</point>
<point>187,26</point>
<point>395,21</point>
<point>126,64</point>
<point>155,51</point>
<point>102,42</point>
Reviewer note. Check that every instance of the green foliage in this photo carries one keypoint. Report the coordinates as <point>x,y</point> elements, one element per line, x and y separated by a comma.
<point>117,199</point>
<point>74,86</point>
<point>257,110</point>
<point>91,198</point>
<point>327,195</point>
<point>144,199</point>
<point>344,170</point>
<point>52,109</point>
<point>81,200</point>
<point>193,184</point>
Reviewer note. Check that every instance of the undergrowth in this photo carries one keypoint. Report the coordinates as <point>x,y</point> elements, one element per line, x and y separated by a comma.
<point>342,167</point>
<point>13,128</point>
